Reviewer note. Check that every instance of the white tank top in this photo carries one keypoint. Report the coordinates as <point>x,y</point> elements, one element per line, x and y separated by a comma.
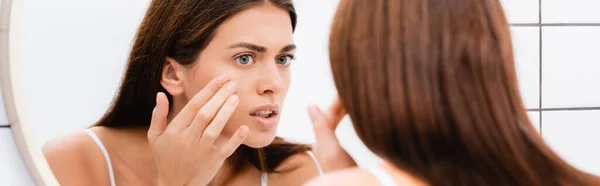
<point>384,178</point>
<point>111,174</point>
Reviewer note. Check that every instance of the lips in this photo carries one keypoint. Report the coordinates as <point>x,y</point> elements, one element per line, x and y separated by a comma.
<point>265,116</point>
<point>265,111</point>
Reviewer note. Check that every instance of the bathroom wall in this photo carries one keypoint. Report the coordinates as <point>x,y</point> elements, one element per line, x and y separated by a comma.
<point>557,46</point>
<point>557,50</point>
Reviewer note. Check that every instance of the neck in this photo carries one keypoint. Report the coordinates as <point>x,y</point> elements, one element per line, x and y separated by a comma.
<point>176,107</point>
<point>231,166</point>
<point>227,172</point>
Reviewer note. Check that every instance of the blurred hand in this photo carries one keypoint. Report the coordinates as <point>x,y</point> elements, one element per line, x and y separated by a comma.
<point>327,149</point>
<point>184,149</point>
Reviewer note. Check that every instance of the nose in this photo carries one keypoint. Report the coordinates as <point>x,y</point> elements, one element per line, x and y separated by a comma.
<point>270,80</point>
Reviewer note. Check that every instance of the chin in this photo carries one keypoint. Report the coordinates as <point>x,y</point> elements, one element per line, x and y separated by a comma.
<point>259,139</point>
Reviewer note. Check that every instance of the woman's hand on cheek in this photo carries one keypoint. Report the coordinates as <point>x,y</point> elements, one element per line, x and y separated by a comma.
<point>327,149</point>
<point>184,149</point>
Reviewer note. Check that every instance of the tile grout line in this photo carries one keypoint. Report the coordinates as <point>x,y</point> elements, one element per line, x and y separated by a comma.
<point>540,65</point>
<point>565,109</point>
<point>554,24</point>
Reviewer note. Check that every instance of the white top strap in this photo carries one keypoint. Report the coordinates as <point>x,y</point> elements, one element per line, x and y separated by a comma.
<point>263,179</point>
<point>312,155</point>
<point>93,135</point>
<point>384,178</point>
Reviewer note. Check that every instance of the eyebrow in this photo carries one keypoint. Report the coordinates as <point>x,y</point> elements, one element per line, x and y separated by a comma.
<point>261,49</point>
<point>288,48</point>
<point>249,46</point>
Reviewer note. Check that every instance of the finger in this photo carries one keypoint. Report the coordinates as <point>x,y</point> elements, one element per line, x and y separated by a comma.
<point>158,123</point>
<point>336,106</point>
<point>236,140</point>
<point>335,113</point>
<point>210,109</point>
<point>213,130</point>
<point>320,124</point>
<point>189,111</point>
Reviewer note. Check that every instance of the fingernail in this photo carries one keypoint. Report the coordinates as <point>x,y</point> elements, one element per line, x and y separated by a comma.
<point>233,99</point>
<point>231,86</point>
<point>243,131</point>
<point>221,79</point>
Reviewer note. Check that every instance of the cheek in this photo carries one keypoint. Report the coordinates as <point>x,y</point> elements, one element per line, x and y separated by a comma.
<point>287,79</point>
<point>200,75</point>
<point>196,86</point>
<point>237,119</point>
<point>245,92</point>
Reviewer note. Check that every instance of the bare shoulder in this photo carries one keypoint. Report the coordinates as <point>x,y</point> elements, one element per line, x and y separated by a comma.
<point>353,176</point>
<point>75,159</point>
<point>69,147</point>
<point>296,170</point>
<point>358,176</point>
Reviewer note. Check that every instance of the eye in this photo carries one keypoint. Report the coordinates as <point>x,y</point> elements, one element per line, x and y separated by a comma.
<point>245,59</point>
<point>285,60</point>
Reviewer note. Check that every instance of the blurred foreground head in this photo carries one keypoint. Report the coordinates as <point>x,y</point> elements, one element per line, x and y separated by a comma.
<point>431,87</point>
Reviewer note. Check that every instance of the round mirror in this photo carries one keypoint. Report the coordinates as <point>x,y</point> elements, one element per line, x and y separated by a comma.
<point>10,19</point>
<point>62,62</point>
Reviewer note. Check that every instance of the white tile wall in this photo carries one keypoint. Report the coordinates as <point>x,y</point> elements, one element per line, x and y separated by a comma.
<point>521,11</point>
<point>574,135</point>
<point>570,11</point>
<point>12,169</point>
<point>526,51</point>
<point>570,67</point>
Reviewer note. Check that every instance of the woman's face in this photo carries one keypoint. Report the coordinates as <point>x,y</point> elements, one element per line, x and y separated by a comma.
<point>255,48</point>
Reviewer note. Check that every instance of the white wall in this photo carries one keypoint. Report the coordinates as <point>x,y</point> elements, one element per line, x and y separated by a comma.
<point>73,55</point>
<point>556,71</point>
<point>559,68</point>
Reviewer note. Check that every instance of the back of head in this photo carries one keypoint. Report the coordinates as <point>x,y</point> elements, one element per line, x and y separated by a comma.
<point>431,87</point>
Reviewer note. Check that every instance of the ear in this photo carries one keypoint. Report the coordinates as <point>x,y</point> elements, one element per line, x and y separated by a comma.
<point>172,77</point>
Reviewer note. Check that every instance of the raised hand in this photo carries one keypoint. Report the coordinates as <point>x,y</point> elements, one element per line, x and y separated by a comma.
<point>327,149</point>
<point>184,148</point>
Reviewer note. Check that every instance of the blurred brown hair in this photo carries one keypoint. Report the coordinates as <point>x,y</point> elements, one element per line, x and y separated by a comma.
<point>431,87</point>
<point>180,29</point>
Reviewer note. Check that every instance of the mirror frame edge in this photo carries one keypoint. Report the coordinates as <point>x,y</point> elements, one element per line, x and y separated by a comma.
<point>29,149</point>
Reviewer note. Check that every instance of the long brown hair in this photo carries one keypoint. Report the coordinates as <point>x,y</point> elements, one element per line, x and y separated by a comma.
<point>431,87</point>
<point>180,29</point>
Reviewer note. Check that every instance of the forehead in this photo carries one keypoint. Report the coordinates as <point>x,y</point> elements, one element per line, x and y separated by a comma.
<point>263,24</point>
